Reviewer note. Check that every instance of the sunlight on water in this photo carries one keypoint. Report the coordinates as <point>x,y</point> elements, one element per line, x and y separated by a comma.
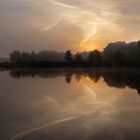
<point>66,106</point>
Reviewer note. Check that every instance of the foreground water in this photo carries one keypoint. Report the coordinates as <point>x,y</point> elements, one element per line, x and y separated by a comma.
<point>65,104</point>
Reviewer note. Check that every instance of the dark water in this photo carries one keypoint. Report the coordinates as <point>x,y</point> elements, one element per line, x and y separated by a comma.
<point>66,104</point>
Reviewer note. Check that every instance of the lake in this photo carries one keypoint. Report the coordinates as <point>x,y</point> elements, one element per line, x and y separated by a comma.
<point>70,104</point>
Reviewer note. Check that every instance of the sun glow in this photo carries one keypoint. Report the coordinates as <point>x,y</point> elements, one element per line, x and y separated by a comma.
<point>88,48</point>
<point>92,23</point>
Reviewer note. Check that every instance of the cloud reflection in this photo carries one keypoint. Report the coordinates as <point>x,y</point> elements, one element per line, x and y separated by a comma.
<point>94,104</point>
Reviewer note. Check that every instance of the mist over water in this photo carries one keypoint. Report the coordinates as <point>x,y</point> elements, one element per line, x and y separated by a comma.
<point>72,104</point>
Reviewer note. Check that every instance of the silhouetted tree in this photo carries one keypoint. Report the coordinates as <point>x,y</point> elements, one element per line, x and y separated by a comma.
<point>110,50</point>
<point>78,59</point>
<point>119,59</point>
<point>33,56</point>
<point>138,53</point>
<point>25,56</point>
<point>15,57</point>
<point>138,44</point>
<point>68,57</point>
<point>94,58</point>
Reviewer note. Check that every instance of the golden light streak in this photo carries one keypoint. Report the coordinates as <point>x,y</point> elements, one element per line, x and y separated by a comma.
<point>92,23</point>
<point>61,4</point>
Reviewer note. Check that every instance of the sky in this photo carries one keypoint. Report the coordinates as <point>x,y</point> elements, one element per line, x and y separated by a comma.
<point>78,25</point>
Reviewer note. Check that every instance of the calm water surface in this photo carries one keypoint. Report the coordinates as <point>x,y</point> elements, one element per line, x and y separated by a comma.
<point>95,104</point>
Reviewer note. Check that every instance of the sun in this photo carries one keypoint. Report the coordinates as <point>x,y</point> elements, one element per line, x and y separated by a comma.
<point>88,47</point>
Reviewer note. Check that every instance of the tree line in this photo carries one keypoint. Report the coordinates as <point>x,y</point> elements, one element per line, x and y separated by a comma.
<point>117,54</point>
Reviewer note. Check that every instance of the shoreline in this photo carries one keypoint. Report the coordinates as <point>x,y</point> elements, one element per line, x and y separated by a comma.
<point>55,65</point>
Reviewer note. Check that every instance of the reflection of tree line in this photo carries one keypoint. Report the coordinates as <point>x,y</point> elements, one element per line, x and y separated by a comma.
<point>114,77</point>
<point>122,78</point>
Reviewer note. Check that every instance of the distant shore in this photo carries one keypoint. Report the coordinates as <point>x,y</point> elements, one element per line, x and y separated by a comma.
<point>43,65</point>
<point>8,65</point>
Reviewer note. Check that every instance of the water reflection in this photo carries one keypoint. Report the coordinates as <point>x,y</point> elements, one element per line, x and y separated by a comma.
<point>118,78</point>
<point>69,104</point>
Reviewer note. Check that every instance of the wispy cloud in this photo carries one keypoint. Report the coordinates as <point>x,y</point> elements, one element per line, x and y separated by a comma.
<point>93,18</point>
<point>19,135</point>
<point>62,4</point>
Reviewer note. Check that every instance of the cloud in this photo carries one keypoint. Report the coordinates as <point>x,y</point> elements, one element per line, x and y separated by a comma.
<point>61,4</point>
<point>22,18</point>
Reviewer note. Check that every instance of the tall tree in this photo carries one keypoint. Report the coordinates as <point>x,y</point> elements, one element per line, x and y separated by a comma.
<point>78,59</point>
<point>32,56</point>
<point>94,58</point>
<point>68,56</point>
<point>119,59</point>
<point>138,44</point>
<point>15,56</point>
<point>25,56</point>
